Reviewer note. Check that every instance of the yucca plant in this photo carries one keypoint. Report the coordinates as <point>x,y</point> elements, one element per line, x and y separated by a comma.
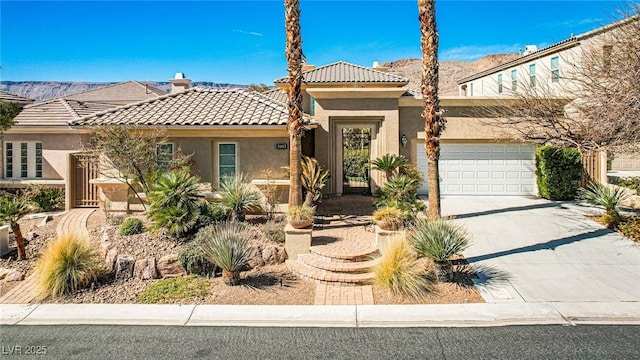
<point>239,195</point>
<point>399,272</point>
<point>439,240</point>
<point>314,179</point>
<point>174,203</point>
<point>389,163</point>
<point>227,246</point>
<point>11,211</point>
<point>609,197</point>
<point>66,265</point>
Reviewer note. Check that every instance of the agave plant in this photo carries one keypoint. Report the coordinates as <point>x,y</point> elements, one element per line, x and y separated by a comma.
<point>174,203</point>
<point>439,240</point>
<point>239,195</point>
<point>227,246</point>
<point>314,178</point>
<point>389,163</point>
<point>609,197</point>
<point>11,210</point>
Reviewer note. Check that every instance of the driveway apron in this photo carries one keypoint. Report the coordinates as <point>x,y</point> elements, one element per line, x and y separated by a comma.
<point>529,249</point>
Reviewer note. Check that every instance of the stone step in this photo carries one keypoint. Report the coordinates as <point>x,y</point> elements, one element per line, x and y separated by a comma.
<point>316,261</point>
<point>312,273</point>
<point>344,254</point>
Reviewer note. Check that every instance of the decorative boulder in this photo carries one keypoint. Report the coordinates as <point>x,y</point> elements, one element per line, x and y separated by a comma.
<point>145,269</point>
<point>110,259</point>
<point>124,266</point>
<point>14,276</point>
<point>273,255</point>
<point>169,266</point>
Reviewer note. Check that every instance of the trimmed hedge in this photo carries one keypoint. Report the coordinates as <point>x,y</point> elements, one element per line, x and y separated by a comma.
<point>131,226</point>
<point>558,172</point>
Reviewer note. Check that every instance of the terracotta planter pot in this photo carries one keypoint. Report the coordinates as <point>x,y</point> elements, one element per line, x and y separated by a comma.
<point>389,225</point>
<point>300,224</point>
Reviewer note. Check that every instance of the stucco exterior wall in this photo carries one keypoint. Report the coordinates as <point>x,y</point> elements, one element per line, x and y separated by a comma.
<point>55,151</point>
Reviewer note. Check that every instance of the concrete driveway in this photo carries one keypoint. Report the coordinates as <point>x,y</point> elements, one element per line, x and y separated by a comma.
<point>534,250</point>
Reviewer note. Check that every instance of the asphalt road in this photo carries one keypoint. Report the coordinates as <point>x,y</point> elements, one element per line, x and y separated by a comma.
<point>164,342</point>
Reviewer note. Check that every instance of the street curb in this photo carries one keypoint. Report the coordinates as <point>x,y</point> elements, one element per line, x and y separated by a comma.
<point>438,315</point>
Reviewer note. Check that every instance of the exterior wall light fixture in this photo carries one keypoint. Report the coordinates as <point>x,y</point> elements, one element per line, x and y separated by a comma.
<point>404,141</point>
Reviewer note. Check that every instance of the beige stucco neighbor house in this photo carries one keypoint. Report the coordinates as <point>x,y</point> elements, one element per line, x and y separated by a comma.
<point>551,69</point>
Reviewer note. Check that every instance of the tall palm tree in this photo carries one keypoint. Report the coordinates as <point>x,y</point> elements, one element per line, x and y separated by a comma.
<point>11,210</point>
<point>434,122</point>
<point>295,127</point>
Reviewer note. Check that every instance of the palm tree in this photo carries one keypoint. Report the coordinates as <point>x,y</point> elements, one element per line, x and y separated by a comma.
<point>434,122</point>
<point>293,51</point>
<point>11,210</point>
<point>389,163</point>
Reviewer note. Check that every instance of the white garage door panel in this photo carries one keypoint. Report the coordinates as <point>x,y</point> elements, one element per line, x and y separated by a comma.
<point>484,169</point>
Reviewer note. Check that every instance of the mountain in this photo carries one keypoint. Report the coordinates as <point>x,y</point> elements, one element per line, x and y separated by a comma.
<point>450,71</point>
<point>44,90</point>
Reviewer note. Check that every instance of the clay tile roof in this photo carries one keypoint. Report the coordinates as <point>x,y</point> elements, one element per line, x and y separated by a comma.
<point>343,72</point>
<point>9,97</point>
<point>195,107</point>
<point>57,112</point>
<point>277,95</point>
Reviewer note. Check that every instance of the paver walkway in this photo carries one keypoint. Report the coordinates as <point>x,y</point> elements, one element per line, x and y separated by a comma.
<point>343,234</point>
<point>75,222</point>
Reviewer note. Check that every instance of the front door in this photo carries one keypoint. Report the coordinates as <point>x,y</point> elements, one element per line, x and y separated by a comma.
<point>356,164</point>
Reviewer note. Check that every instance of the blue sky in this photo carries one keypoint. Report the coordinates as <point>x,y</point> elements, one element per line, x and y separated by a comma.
<point>242,42</point>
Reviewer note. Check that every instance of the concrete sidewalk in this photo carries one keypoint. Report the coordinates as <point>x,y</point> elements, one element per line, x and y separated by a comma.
<point>462,315</point>
<point>533,250</point>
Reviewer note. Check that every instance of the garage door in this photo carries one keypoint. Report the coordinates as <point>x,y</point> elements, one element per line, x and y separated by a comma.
<point>483,169</point>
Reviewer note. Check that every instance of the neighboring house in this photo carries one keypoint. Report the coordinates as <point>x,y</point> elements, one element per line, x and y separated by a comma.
<point>12,98</point>
<point>41,148</point>
<point>551,69</point>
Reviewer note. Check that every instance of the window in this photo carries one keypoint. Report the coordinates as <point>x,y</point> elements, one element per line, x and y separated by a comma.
<point>514,80</point>
<point>500,83</point>
<point>532,75</point>
<point>23,160</point>
<point>471,89</point>
<point>164,155</point>
<point>313,106</point>
<point>227,159</point>
<point>8,160</point>
<point>555,69</point>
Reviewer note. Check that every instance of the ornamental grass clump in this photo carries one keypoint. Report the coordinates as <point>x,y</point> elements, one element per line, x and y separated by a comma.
<point>227,246</point>
<point>609,197</point>
<point>399,272</point>
<point>239,195</point>
<point>439,240</point>
<point>66,265</point>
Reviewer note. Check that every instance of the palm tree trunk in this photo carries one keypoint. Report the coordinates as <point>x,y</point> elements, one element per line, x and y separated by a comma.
<point>293,50</point>
<point>22,252</point>
<point>434,122</point>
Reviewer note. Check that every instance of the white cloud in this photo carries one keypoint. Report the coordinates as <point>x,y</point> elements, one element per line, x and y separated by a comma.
<point>474,52</point>
<point>252,33</point>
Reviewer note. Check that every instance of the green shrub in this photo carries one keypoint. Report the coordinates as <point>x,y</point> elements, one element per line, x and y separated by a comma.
<point>170,290</point>
<point>632,183</point>
<point>131,226</point>
<point>390,163</point>
<point>44,198</point>
<point>399,272</point>
<point>66,265</point>
<point>273,231</point>
<point>558,172</point>
<point>174,203</point>
<point>194,261</point>
<point>356,164</point>
<point>630,227</point>
<point>401,191</point>
<point>227,246</point>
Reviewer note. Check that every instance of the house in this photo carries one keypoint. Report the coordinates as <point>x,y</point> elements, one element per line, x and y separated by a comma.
<point>12,98</point>
<point>552,69</point>
<point>42,149</point>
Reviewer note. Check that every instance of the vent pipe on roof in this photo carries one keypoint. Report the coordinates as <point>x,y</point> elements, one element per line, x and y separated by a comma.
<point>179,83</point>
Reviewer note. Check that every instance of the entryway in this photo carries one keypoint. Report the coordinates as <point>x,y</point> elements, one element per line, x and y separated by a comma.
<point>85,169</point>
<point>356,164</point>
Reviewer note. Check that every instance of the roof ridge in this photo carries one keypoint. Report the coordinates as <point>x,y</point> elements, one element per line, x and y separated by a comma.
<point>145,85</point>
<point>69,108</point>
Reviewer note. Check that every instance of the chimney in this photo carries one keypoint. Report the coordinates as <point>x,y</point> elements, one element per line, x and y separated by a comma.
<point>179,83</point>
<point>529,49</point>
